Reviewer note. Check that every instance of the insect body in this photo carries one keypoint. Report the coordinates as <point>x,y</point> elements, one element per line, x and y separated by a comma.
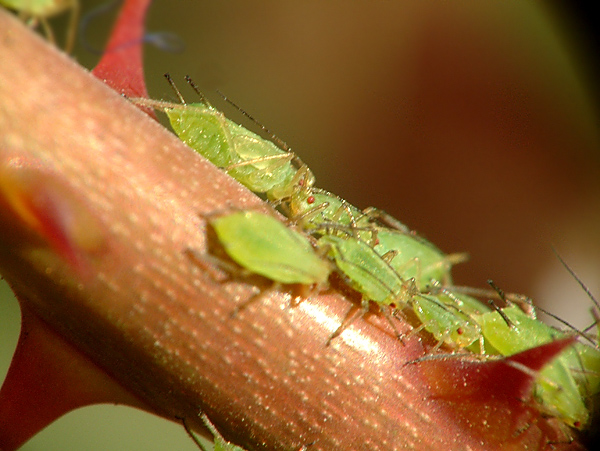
<point>257,163</point>
<point>443,318</point>
<point>563,385</point>
<point>415,258</point>
<point>263,245</point>
<point>320,212</point>
<point>253,161</point>
<point>368,274</point>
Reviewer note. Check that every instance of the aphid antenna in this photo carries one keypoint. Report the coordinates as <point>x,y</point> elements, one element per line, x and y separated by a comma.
<point>281,143</point>
<point>581,333</point>
<point>576,277</point>
<point>525,303</point>
<point>498,290</point>
<point>596,323</point>
<point>506,319</point>
<point>174,87</point>
<point>193,85</point>
<point>365,305</point>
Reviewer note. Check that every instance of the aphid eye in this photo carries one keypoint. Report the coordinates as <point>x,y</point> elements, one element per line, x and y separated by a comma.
<point>460,331</point>
<point>393,305</point>
<point>376,241</point>
<point>310,200</point>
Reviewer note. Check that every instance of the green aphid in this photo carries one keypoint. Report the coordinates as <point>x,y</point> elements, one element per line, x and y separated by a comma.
<point>257,163</point>
<point>220,444</point>
<point>443,318</point>
<point>36,12</point>
<point>368,274</point>
<point>414,258</point>
<point>311,207</point>
<point>320,212</point>
<point>263,245</point>
<point>563,386</point>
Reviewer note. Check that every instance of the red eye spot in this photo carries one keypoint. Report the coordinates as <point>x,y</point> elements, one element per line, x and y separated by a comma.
<point>301,182</point>
<point>376,241</point>
<point>577,424</point>
<point>392,305</point>
<point>310,200</point>
<point>460,331</point>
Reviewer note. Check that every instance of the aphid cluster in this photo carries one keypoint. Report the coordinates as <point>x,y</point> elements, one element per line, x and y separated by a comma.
<point>373,254</point>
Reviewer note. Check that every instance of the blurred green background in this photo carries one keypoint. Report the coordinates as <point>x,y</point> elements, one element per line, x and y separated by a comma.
<point>475,123</point>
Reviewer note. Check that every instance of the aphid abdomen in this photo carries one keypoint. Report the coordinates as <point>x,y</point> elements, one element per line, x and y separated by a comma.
<point>445,322</point>
<point>204,130</point>
<point>264,245</point>
<point>556,389</point>
<point>365,271</point>
<point>262,166</point>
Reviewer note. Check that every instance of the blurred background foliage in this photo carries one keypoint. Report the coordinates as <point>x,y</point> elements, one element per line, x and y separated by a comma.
<point>475,123</point>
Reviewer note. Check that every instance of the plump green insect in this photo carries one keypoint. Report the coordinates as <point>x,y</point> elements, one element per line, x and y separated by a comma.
<point>564,385</point>
<point>320,212</point>
<point>366,272</point>
<point>263,245</point>
<point>257,163</point>
<point>443,317</point>
<point>314,209</point>
<point>36,12</point>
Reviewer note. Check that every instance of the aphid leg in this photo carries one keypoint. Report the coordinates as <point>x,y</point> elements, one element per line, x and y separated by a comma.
<point>72,27</point>
<point>596,315</point>
<point>354,313</point>
<point>450,260</point>
<point>203,259</point>
<point>255,297</point>
<point>386,219</point>
<point>191,434</point>
<point>232,270</point>
<point>46,27</point>
<point>308,215</point>
<point>278,141</point>
<point>385,310</point>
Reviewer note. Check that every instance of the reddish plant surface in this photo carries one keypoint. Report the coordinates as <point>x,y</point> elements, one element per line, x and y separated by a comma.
<point>99,205</point>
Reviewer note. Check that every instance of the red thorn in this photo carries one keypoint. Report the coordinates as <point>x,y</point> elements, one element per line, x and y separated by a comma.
<point>492,398</point>
<point>48,378</point>
<point>121,66</point>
